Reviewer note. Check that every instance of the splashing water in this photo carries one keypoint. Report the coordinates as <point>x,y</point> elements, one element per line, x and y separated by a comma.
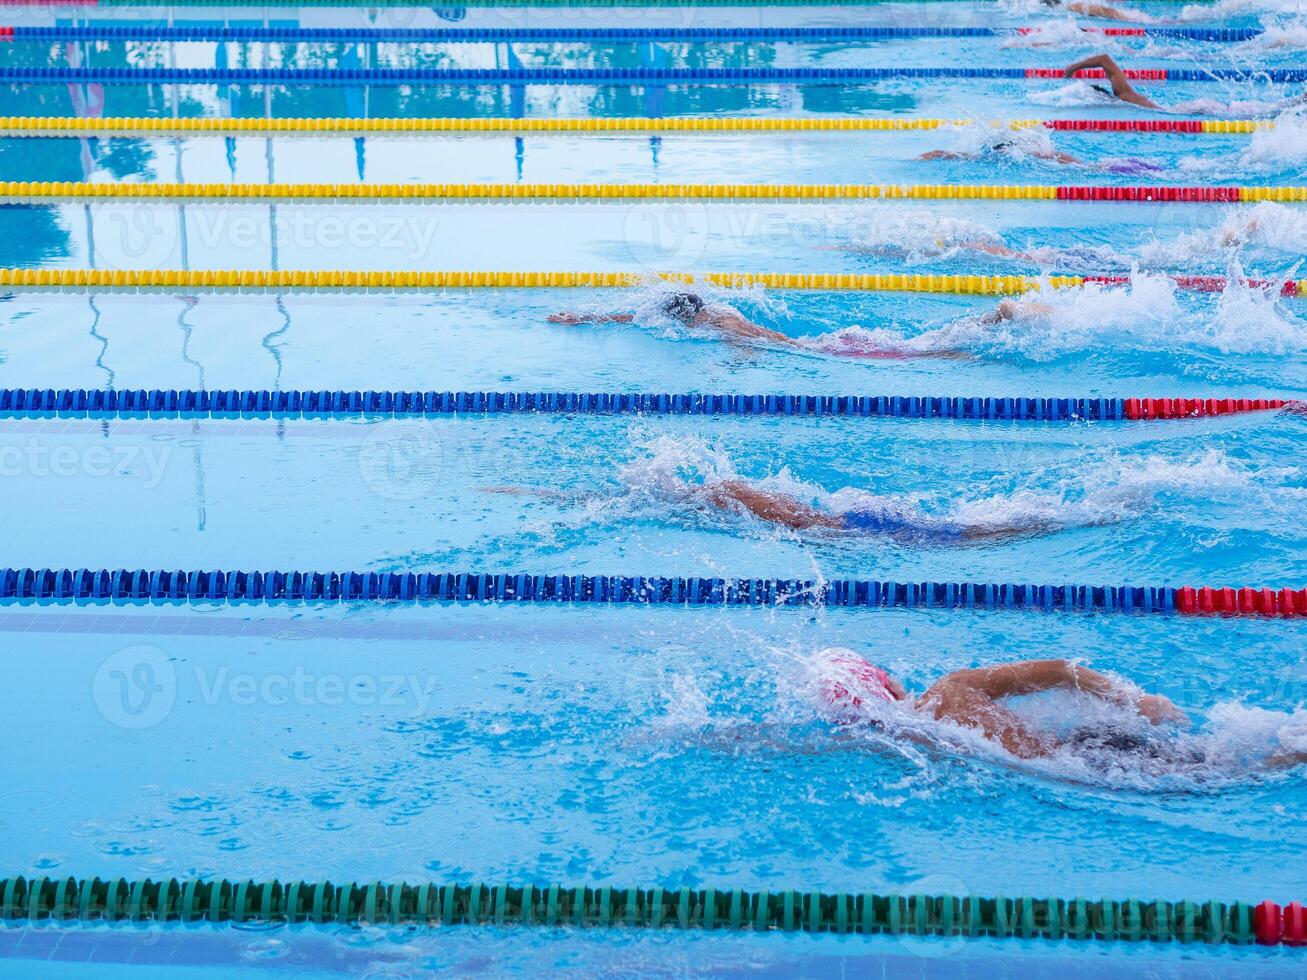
<point>1267,225</point>
<point>1283,145</point>
<point>1227,9</point>
<point>1061,321</point>
<point>1077,92</point>
<point>1087,495</point>
<point>1061,32</point>
<point>919,235</point>
<point>1274,38</point>
<point>1250,320</point>
<point>914,234</point>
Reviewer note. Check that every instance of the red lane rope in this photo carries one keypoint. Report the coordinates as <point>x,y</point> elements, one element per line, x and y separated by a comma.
<point>1205,284</point>
<point>1283,603</point>
<point>1274,925</point>
<point>1148,409</point>
<point>1127,125</point>
<point>1197,195</point>
<point>1139,74</point>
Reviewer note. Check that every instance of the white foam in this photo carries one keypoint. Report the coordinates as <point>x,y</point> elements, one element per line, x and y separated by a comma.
<point>1061,32</point>
<point>913,233</point>
<point>1266,225</point>
<point>1284,145</point>
<point>1250,320</point>
<point>1076,92</point>
<point>1099,493</point>
<point>1274,38</point>
<point>1054,322</point>
<point>1243,735</point>
<point>1227,9</point>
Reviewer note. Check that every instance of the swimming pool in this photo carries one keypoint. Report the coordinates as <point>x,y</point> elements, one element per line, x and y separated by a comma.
<point>522,739</point>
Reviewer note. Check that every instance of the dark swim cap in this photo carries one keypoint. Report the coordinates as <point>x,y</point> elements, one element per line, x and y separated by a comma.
<point>681,306</point>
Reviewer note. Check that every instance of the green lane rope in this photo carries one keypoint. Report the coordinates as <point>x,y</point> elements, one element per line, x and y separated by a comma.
<point>429,904</point>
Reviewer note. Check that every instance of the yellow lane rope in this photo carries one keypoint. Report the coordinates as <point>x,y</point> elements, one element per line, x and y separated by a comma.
<point>346,280</point>
<point>240,280</point>
<point>57,191</point>
<point>23,191</point>
<point>55,125</point>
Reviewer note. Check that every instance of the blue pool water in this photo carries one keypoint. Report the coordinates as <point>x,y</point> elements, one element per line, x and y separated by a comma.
<point>626,745</point>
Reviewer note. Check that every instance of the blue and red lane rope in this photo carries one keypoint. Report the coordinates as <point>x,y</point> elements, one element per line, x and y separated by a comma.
<point>174,403</point>
<point>122,586</point>
<point>12,74</point>
<point>162,31</point>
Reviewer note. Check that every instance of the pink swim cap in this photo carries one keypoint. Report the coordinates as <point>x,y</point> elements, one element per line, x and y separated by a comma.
<point>856,681</point>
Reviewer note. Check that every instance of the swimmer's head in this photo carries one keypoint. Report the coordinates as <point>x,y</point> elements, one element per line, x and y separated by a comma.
<point>851,685</point>
<point>681,306</point>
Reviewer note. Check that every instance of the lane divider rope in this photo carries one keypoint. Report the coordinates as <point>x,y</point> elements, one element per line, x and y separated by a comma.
<point>242,901</point>
<point>57,191</point>
<point>46,125</point>
<point>126,586</point>
<point>46,75</point>
<point>162,31</point>
<point>247,403</point>
<point>258,281</point>
<point>555,4</point>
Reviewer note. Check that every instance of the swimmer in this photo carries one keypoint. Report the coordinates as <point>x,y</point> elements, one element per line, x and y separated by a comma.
<point>1100,10</point>
<point>1121,87</point>
<point>1125,165</point>
<point>973,698</point>
<point>1005,147</point>
<point>903,524</point>
<point>691,311</point>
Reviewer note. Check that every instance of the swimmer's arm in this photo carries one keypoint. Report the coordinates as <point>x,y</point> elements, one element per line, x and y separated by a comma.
<point>775,508</point>
<point>992,248</point>
<point>574,318</point>
<point>1099,10</point>
<point>734,326</point>
<point>1034,676</point>
<point>1012,309</point>
<point>971,708</point>
<point>946,155</point>
<point>1121,86</point>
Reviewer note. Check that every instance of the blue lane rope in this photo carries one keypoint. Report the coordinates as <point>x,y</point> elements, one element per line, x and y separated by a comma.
<point>567,76</point>
<point>157,31</point>
<point>157,403</point>
<point>164,587</point>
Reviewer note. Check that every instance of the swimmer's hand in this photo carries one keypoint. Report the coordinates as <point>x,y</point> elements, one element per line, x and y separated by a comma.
<point>1295,407</point>
<point>1158,709</point>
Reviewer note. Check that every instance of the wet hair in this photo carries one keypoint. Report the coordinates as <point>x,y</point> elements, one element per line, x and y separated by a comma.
<point>1105,91</point>
<point>1000,146</point>
<point>1051,3</point>
<point>681,306</point>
